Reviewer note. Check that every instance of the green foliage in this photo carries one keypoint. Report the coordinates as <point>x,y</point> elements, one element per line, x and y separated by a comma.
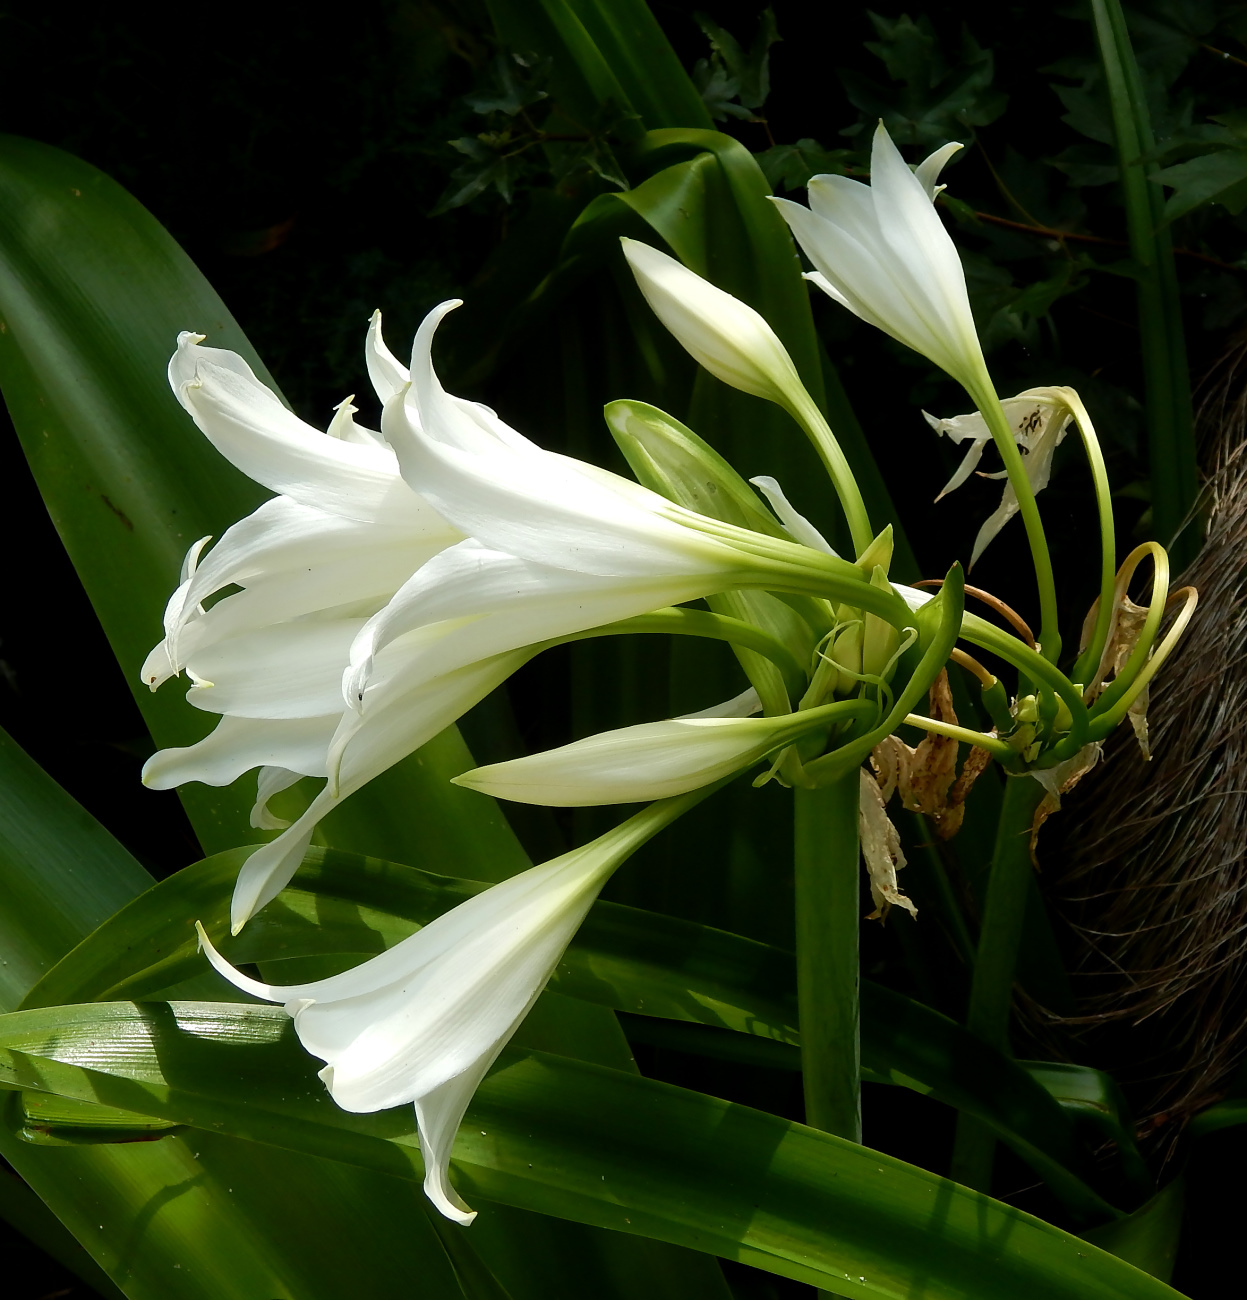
<point>735,81</point>
<point>930,97</point>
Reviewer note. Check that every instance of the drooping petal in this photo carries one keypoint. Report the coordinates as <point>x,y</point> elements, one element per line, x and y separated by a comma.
<point>246,422</point>
<point>359,749</point>
<point>423,1021</point>
<point>495,485</point>
<point>271,781</point>
<point>239,744</point>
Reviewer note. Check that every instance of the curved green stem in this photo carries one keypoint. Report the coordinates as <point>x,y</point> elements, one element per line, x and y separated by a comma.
<point>994,414</point>
<point>802,408</point>
<point>1151,624</point>
<point>978,631</point>
<point>997,748</point>
<point>1090,658</point>
<point>1103,723</point>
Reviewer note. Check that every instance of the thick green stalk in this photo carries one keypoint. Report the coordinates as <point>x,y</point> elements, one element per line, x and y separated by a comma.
<point>828,912</point>
<point>1166,378</point>
<point>991,991</point>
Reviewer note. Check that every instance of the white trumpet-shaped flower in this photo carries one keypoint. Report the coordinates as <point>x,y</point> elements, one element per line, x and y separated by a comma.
<point>1039,419</point>
<point>371,614</point>
<point>720,332</point>
<point>654,760</point>
<point>881,250</point>
<point>424,1021</point>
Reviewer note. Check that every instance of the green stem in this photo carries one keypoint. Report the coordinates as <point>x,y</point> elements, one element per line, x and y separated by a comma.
<point>991,991</point>
<point>828,911</point>
<point>1166,378</point>
<point>803,409</point>
<point>1089,660</point>
<point>1002,434</point>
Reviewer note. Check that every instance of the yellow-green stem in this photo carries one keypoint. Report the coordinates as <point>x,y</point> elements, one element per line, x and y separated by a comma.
<point>1049,631</point>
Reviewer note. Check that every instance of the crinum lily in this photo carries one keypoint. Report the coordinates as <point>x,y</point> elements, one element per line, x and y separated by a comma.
<point>422,1022</point>
<point>368,622</point>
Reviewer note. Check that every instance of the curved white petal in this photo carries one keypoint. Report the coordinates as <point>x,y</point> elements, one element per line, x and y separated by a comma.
<point>246,422</point>
<point>792,519</point>
<point>495,485</point>
<point>423,1021</point>
<point>359,749</point>
<point>271,781</point>
<point>237,745</point>
<point>388,375</point>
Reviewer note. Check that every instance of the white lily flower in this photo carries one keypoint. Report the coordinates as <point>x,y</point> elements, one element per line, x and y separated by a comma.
<point>314,564</point>
<point>1039,419</point>
<point>654,760</point>
<point>424,1021</point>
<point>719,332</point>
<point>512,496</point>
<point>881,250</point>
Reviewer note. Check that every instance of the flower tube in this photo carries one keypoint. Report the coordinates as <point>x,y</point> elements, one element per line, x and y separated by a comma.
<point>652,761</point>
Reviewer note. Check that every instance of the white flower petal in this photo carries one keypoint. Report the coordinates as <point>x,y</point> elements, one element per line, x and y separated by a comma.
<point>744,705</point>
<point>495,485</point>
<point>246,422</point>
<point>237,745</point>
<point>654,760</point>
<point>359,749</point>
<point>720,332</point>
<point>389,376</point>
<point>511,602</point>
<point>269,782</point>
<point>796,523</point>
<point>423,1021</point>
<point>291,670</point>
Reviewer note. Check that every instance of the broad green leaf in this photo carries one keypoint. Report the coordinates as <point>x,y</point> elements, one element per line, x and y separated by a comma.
<point>588,1144</point>
<point>61,873</point>
<point>1212,178</point>
<point>202,1221</point>
<point>630,960</point>
<point>1149,1237</point>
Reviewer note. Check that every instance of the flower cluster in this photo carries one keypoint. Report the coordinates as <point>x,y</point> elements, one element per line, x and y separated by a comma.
<point>399,575</point>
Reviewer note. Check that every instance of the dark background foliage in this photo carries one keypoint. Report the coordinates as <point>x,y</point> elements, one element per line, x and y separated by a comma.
<point>318,164</point>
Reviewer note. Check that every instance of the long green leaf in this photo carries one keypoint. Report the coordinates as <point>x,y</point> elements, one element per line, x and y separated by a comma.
<point>589,1144</point>
<point>171,1219</point>
<point>624,958</point>
<point>1166,376</point>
